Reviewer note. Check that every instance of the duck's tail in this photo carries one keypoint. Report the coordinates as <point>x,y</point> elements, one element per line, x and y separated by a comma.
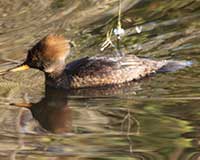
<point>172,66</point>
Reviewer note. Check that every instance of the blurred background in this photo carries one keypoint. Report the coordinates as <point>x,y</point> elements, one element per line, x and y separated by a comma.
<point>153,119</point>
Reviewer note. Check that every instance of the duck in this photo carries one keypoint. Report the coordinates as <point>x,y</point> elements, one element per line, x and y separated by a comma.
<point>50,53</point>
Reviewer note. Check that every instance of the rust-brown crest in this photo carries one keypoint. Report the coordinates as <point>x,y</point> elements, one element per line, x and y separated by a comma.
<point>54,47</point>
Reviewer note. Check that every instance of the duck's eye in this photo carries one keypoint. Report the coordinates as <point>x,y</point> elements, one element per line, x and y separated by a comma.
<point>34,58</point>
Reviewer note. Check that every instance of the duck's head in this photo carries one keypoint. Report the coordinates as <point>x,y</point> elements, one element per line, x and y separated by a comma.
<point>47,55</point>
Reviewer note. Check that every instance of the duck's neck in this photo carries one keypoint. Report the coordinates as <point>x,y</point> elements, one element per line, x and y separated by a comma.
<point>56,76</point>
<point>57,72</point>
<point>55,69</point>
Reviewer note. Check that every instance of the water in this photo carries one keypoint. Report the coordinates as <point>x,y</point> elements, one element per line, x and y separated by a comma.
<point>156,118</point>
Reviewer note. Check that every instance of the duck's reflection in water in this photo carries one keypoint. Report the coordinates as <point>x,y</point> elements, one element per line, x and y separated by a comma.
<point>53,113</point>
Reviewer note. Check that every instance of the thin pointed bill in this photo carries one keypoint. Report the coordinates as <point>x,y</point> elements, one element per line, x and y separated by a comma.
<point>20,68</point>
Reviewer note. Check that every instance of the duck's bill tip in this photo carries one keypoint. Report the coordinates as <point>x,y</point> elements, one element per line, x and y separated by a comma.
<point>20,68</point>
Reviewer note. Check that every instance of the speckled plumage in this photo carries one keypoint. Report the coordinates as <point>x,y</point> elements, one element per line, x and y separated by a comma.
<point>100,71</point>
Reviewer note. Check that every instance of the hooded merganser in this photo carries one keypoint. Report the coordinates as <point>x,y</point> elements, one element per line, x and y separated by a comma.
<point>49,55</point>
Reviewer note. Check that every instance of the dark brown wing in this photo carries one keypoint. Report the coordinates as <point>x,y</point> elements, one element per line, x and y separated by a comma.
<point>97,71</point>
<point>92,66</point>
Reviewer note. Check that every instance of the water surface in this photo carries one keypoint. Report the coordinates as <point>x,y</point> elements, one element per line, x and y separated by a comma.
<point>156,118</point>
